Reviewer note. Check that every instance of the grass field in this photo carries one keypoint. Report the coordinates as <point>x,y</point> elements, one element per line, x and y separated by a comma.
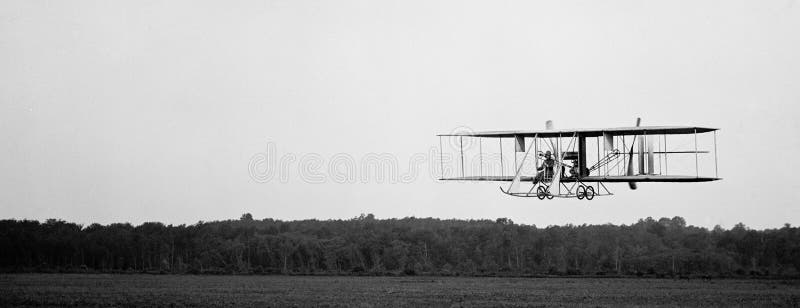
<point>167,290</point>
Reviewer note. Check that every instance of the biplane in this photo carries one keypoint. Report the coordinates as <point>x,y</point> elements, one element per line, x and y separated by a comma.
<point>566,166</point>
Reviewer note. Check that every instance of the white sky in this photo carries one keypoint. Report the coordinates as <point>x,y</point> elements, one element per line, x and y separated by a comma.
<point>114,111</point>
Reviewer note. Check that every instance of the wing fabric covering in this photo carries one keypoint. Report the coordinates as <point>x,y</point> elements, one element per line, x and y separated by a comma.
<point>514,187</point>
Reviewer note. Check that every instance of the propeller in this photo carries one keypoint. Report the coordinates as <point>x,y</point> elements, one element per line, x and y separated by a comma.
<point>632,185</point>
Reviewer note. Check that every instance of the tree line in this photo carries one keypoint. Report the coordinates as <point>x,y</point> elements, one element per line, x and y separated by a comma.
<point>409,246</point>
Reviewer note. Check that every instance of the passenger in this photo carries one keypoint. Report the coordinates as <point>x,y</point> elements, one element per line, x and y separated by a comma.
<point>545,170</point>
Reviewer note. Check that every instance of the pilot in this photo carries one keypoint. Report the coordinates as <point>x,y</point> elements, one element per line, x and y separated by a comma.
<point>545,170</point>
<point>573,171</point>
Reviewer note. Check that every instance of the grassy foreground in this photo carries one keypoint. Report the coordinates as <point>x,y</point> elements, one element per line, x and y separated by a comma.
<point>188,290</point>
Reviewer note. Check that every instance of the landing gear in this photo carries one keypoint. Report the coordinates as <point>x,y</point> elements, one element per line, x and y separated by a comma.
<point>578,190</point>
<point>541,193</point>
<point>589,193</point>
<point>585,192</point>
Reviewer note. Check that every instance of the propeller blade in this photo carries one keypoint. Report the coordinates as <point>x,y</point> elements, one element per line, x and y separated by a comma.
<point>632,185</point>
<point>630,162</point>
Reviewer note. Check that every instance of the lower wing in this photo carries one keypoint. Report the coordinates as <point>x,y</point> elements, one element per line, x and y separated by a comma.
<point>609,179</point>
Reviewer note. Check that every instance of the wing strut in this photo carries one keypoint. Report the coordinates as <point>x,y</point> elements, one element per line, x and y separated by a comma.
<point>461,146</point>
<point>441,156</point>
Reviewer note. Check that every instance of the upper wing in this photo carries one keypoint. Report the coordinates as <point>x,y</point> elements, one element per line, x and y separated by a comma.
<point>587,132</point>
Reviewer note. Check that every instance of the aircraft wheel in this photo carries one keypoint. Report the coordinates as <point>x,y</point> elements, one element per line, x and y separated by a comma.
<point>581,192</point>
<point>589,193</point>
<point>541,193</point>
<point>549,196</point>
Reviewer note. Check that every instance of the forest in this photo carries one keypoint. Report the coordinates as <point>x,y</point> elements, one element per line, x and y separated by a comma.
<point>364,245</point>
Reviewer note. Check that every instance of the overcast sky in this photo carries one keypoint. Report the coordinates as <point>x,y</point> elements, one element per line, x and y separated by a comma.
<point>133,111</point>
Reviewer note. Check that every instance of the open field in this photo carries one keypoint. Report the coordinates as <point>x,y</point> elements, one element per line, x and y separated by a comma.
<point>188,290</point>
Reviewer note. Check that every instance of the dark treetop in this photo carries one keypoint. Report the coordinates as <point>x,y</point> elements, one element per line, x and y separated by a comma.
<point>408,246</point>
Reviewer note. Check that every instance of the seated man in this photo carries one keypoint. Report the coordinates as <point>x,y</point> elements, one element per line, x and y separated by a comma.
<point>545,171</point>
<point>573,170</point>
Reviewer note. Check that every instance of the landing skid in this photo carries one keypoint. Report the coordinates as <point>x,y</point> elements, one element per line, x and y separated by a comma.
<point>578,190</point>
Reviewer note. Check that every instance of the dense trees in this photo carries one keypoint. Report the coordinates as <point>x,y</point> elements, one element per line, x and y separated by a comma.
<point>366,245</point>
